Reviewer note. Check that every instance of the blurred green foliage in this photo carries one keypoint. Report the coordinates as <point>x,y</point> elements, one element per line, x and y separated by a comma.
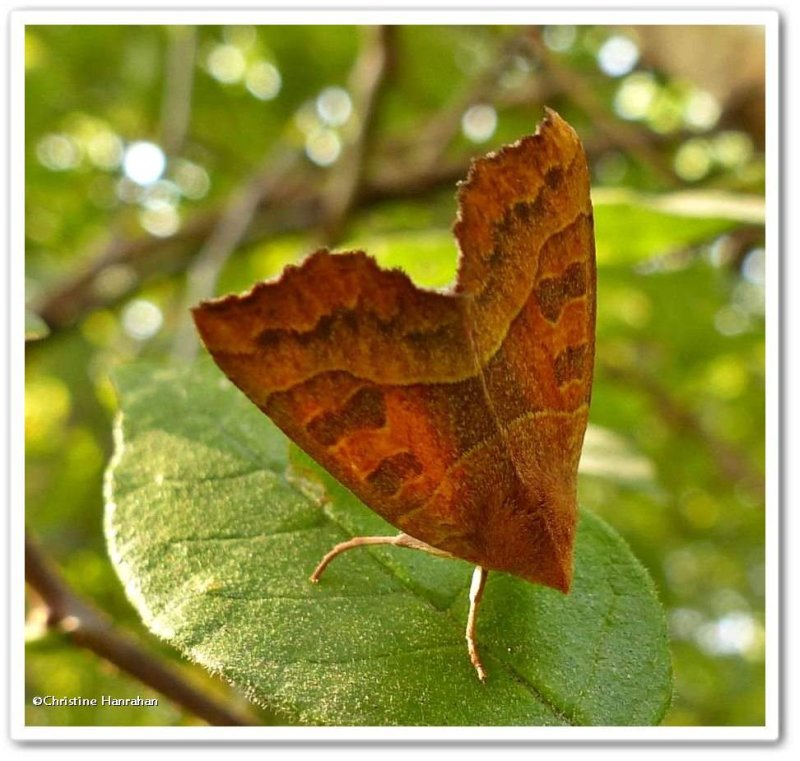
<point>677,437</point>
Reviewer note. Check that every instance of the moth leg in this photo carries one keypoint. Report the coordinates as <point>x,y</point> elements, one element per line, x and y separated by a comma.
<point>475,595</point>
<point>400,540</point>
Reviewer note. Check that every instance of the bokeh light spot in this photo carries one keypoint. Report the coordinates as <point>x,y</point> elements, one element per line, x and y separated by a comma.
<point>700,509</point>
<point>693,160</point>
<point>517,73</point>
<point>479,122</point>
<point>323,147</point>
<point>731,321</point>
<point>226,64</point>
<point>100,327</point>
<point>58,152</point>
<point>749,296</point>
<point>736,633</point>
<point>35,51</point>
<point>559,38</point>
<point>113,281</point>
<point>732,149</point>
<point>141,319</point>
<point>160,218</point>
<point>754,266</point>
<point>701,110</point>
<point>635,95</point>
<point>160,193</point>
<point>263,80</point>
<point>192,179</point>
<point>144,162</point>
<point>727,377</point>
<point>665,114</point>
<point>334,106</point>
<point>47,404</point>
<point>128,191</point>
<point>242,36</point>
<point>306,118</point>
<point>682,569</point>
<point>618,55</point>
<point>684,622</point>
<point>105,150</point>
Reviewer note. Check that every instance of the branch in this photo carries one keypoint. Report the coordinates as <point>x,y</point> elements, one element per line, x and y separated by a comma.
<point>294,209</point>
<point>89,628</point>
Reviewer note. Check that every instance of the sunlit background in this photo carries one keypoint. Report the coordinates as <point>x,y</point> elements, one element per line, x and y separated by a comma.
<point>140,139</point>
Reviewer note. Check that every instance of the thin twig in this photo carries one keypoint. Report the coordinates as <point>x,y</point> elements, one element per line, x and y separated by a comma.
<point>88,627</point>
<point>227,235</point>
<point>367,83</point>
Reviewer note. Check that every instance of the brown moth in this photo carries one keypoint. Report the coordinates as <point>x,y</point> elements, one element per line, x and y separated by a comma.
<point>457,416</point>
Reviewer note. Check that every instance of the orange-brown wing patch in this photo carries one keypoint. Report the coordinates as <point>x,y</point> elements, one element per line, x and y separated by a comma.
<point>533,263</point>
<point>335,312</point>
<point>358,373</point>
<point>457,416</point>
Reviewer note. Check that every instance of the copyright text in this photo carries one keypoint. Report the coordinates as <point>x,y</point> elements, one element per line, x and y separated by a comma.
<point>103,700</point>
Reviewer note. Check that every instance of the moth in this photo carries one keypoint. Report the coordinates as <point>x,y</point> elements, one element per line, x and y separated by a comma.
<point>458,416</point>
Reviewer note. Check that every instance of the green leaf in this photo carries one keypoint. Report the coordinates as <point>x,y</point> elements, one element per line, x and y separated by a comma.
<point>214,530</point>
